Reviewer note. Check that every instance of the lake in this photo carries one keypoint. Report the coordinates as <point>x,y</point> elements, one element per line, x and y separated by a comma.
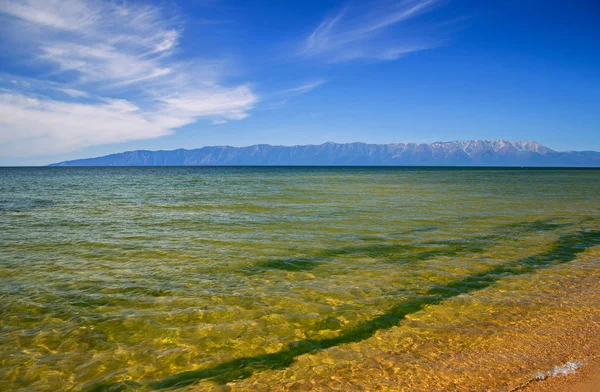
<point>295,278</point>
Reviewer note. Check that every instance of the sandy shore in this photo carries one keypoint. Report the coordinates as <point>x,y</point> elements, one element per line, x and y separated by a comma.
<point>586,379</point>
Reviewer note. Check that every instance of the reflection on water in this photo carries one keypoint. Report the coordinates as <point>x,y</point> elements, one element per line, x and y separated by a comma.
<point>295,278</point>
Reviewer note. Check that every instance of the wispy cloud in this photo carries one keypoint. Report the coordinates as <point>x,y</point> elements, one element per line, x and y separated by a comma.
<point>280,98</point>
<point>304,88</point>
<point>72,92</point>
<point>117,65</point>
<point>372,30</point>
<point>219,122</point>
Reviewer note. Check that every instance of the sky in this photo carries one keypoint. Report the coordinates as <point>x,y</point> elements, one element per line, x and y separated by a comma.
<point>84,78</point>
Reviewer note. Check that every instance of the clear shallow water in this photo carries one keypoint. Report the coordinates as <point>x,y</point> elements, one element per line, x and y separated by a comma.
<point>295,278</point>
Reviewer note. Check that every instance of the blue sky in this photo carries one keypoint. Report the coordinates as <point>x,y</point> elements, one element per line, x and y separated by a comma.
<point>82,78</point>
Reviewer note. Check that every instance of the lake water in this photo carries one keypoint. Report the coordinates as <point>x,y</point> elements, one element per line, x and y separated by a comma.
<point>259,279</point>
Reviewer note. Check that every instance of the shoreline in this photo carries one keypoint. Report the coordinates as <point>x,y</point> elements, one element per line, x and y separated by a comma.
<point>584,379</point>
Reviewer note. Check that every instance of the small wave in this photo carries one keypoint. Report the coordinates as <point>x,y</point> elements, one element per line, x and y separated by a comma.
<point>561,370</point>
<point>23,205</point>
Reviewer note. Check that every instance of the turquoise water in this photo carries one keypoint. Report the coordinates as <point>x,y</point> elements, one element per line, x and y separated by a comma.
<point>293,278</point>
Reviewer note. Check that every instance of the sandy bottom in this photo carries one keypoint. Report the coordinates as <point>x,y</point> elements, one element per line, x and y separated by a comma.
<point>559,335</point>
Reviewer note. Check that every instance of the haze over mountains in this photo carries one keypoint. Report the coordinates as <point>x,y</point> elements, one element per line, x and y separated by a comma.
<point>457,153</point>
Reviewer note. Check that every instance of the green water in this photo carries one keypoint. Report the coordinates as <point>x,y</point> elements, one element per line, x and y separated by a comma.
<point>264,278</point>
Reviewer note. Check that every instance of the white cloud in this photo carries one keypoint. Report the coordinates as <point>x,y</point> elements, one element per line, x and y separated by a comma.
<point>230,103</point>
<point>58,14</point>
<point>118,62</point>
<point>360,32</point>
<point>168,42</point>
<point>32,126</point>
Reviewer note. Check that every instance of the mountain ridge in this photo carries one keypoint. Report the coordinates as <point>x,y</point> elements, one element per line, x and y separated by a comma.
<point>453,153</point>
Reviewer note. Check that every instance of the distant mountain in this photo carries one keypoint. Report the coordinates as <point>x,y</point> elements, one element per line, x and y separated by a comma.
<point>459,153</point>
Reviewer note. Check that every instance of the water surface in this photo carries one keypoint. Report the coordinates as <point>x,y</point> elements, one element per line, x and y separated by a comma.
<point>294,278</point>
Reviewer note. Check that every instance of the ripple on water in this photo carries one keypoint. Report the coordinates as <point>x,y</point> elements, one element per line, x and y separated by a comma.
<point>292,279</point>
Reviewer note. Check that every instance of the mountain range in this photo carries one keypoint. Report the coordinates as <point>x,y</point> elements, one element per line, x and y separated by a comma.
<point>457,153</point>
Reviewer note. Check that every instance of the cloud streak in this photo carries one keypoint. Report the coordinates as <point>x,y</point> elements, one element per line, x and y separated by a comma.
<point>372,30</point>
<point>304,88</point>
<point>115,68</point>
